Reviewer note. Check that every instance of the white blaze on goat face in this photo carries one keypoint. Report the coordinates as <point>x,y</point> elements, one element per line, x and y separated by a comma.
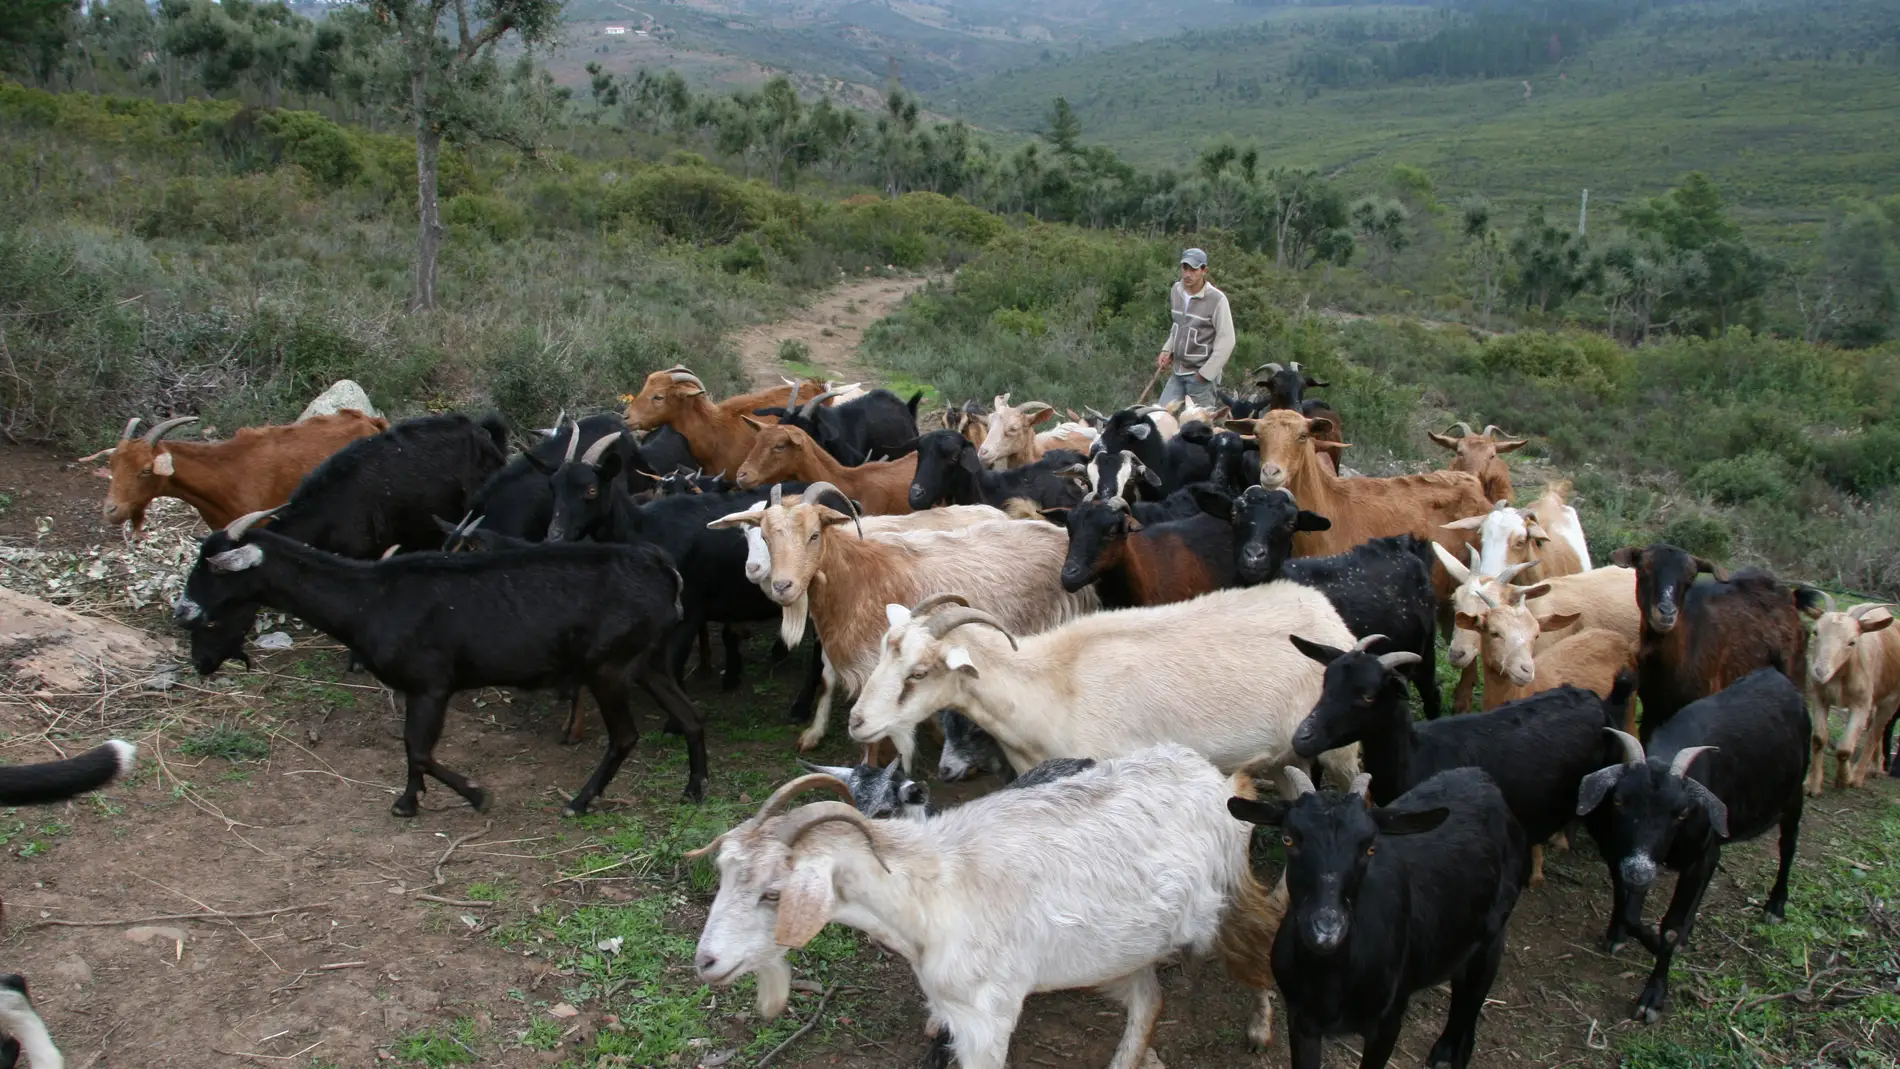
<point>758,559</point>
<point>1504,540</point>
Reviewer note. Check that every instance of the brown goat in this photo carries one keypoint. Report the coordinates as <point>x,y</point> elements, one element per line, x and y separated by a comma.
<point>1856,667</point>
<point>1698,638</point>
<point>716,433</point>
<point>252,471</point>
<point>780,454</point>
<point>1480,454</point>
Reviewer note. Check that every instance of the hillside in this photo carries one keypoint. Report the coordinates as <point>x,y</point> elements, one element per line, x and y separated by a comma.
<point>1787,105</point>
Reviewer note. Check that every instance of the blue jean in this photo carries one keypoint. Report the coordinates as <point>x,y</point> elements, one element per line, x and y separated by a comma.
<point>1200,391</point>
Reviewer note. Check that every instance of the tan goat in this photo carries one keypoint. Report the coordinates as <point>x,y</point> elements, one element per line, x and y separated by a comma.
<point>1010,439</point>
<point>1481,455</point>
<point>716,434</point>
<point>1854,664</point>
<point>780,454</point>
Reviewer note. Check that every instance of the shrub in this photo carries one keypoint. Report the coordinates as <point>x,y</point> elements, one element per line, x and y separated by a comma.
<point>531,379</point>
<point>794,351</point>
<point>491,217</point>
<point>1864,463</point>
<point>1749,477</point>
<point>743,257</point>
<point>1700,533</point>
<point>1587,361</point>
<point>314,143</point>
<point>220,209</point>
<point>699,204</point>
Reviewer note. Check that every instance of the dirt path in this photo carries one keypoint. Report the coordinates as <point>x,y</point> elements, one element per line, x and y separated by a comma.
<point>832,328</point>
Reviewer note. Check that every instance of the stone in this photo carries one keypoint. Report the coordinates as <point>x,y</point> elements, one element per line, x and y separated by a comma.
<point>49,648</point>
<point>342,394</point>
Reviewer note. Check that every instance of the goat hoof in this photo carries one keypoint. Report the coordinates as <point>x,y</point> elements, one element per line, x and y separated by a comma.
<point>672,727</point>
<point>1612,945</point>
<point>694,792</point>
<point>481,798</point>
<point>404,807</point>
<point>1772,915</point>
<point>807,742</point>
<point>575,808</point>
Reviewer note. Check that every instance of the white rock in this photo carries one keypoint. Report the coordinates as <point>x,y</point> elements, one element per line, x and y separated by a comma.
<point>344,393</point>
<point>275,640</point>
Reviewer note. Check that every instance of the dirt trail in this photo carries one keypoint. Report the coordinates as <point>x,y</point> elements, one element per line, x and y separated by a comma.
<point>832,327</point>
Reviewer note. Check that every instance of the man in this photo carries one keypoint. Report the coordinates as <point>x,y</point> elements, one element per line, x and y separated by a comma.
<point>1202,338</point>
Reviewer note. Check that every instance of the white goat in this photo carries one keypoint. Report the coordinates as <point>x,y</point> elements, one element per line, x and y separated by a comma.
<point>1216,673</point>
<point>1089,880</point>
<point>1854,664</point>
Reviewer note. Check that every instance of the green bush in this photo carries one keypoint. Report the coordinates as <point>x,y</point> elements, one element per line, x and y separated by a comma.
<point>1749,477</point>
<point>494,218</point>
<point>530,379</point>
<point>794,351</point>
<point>699,204</point>
<point>1862,464</point>
<point>1590,362</point>
<point>743,257</point>
<point>316,144</point>
<point>1702,534</point>
<point>220,209</point>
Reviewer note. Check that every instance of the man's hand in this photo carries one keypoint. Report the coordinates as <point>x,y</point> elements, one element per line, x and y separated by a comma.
<point>1164,359</point>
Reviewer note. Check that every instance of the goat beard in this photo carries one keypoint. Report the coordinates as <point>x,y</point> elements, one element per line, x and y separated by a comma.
<point>791,621</point>
<point>775,986</point>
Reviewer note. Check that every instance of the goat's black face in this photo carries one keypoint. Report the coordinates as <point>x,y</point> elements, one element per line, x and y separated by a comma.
<point>1098,531</point>
<point>1356,698</point>
<point>1264,524</point>
<point>1331,842</point>
<point>1284,388</point>
<point>1229,452</point>
<point>1663,577</point>
<point>216,607</point>
<point>1648,808</point>
<point>879,793</point>
<point>580,498</point>
<point>939,455</point>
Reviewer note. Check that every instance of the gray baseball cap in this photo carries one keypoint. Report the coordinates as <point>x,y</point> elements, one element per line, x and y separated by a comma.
<point>1194,258</point>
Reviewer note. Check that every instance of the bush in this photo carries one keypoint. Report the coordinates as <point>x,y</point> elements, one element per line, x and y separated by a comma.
<point>1862,464</point>
<point>530,379</point>
<point>794,351</point>
<point>1587,361</point>
<point>1749,477</point>
<point>491,217</point>
<point>699,204</point>
<point>220,209</point>
<point>314,143</point>
<point>743,257</point>
<point>1702,534</point>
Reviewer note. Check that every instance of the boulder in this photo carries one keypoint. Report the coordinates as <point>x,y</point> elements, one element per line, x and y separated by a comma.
<point>45,647</point>
<point>342,394</point>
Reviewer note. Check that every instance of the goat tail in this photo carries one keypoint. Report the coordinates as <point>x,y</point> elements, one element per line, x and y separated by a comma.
<point>1022,508</point>
<point>56,781</point>
<point>1616,706</point>
<point>1247,930</point>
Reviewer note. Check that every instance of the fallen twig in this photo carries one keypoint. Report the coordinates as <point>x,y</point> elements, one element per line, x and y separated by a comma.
<point>486,824</point>
<point>465,903</point>
<point>214,915</point>
<point>816,1015</point>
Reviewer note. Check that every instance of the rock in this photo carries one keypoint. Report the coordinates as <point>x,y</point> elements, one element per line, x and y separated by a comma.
<point>74,971</point>
<point>145,934</point>
<point>274,640</point>
<point>50,648</point>
<point>342,394</point>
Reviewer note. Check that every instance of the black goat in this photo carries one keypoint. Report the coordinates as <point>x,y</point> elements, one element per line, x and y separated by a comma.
<point>1380,587</point>
<point>432,624</point>
<point>516,501</point>
<point>377,492</point>
<point>1236,461</point>
<point>1285,386</point>
<point>1387,901</point>
<point>876,424</point>
<point>1133,430</point>
<point>667,450</point>
<point>1537,749</point>
<point>949,473</point>
<point>1135,564</point>
<point>1242,407</point>
<point>1725,768</point>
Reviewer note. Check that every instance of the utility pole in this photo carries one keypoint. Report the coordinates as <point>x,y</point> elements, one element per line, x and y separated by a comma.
<point>1583,212</point>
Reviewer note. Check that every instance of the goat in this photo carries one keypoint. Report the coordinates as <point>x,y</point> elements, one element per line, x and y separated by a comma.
<point>1537,748</point>
<point>1508,536</point>
<point>880,793</point>
<point>1749,740</point>
<point>781,453</point>
<point>517,500</point>
<point>22,1029</point>
<point>1214,673</point>
<point>1854,665</point>
<point>1381,587</point>
<point>719,435</point>
<point>1698,638</point>
<point>1010,439</point>
<point>1087,880</point>
<point>426,625</point>
<point>877,423</point>
<point>377,492</point>
<point>1136,431</point>
<point>1508,632</point>
<point>1286,385</point>
<point>1385,901</point>
<point>1131,564</point>
<point>1008,566</point>
<point>972,421</point>
<point>1481,455</point>
<point>1235,461</point>
<point>1363,508</point>
<point>257,468</point>
<point>949,472</point>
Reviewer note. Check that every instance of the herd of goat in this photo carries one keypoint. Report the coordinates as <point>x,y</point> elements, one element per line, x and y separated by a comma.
<point>1156,626</point>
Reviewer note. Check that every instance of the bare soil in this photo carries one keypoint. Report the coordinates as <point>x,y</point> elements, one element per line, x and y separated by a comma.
<point>353,963</point>
<point>831,327</point>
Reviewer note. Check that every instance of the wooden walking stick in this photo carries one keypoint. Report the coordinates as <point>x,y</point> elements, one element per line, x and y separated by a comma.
<point>1148,389</point>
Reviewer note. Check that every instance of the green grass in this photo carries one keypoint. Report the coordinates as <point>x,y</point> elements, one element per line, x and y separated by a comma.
<point>435,1048</point>
<point>231,742</point>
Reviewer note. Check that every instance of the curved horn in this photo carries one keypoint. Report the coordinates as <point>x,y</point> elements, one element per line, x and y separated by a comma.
<point>1361,783</point>
<point>236,528</point>
<point>778,495</point>
<point>813,491</point>
<point>1861,610</point>
<point>472,524</point>
<point>680,374</point>
<point>573,441</point>
<point>1510,571</point>
<point>1365,643</point>
<point>1827,599</point>
<point>131,428</point>
<point>1679,768</point>
<point>152,436</point>
<point>1632,749</point>
<point>795,825</point>
<point>1492,430</point>
<point>1272,367</point>
<point>943,623</point>
<point>786,792</point>
<point>1486,595</point>
<point>591,458</point>
<point>935,600</point>
<point>1461,429</point>
<point>1392,662</point>
<point>709,847</point>
<point>1302,783</point>
<point>811,406</point>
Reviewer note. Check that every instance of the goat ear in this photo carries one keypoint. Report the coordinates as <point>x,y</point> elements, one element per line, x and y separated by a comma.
<point>969,460</point>
<point>748,518</point>
<point>1626,557</point>
<point>753,423</point>
<point>1317,651</point>
<point>1469,523</point>
<point>1538,591</point>
<point>1445,440</point>
<point>805,902</point>
<point>1558,621</point>
<point>1720,573</point>
<point>1148,475</point>
<point>1512,446</point>
<point>162,465</point>
<point>1035,412</point>
<point>1257,812</point>
<point>1315,384</point>
<point>1880,624</point>
<point>1311,521</point>
<point>775,412</point>
<point>1238,426</point>
<point>538,464</point>
<point>1321,425</point>
<point>1392,822</point>
<point>236,560</point>
<point>1717,809</point>
<point>1212,501</point>
<point>896,616</point>
<point>1140,431</point>
<point>1594,786</point>
<point>1058,516</point>
<point>1536,531</point>
<point>1468,622</point>
<point>957,659</point>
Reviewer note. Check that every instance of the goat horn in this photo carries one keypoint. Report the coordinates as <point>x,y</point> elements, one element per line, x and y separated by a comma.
<point>236,528</point>
<point>806,782</point>
<point>935,600</point>
<point>778,494</point>
<point>680,374</point>
<point>390,552</point>
<point>1462,429</point>
<point>943,623</point>
<point>1632,748</point>
<point>709,847</point>
<point>1294,367</point>
<point>1365,643</point>
<point>573,442</point>
<point>1302,783</point>
<point>1492,430</point>
<point>1510,571</point>
<point>1270,366</point>
<point>811,406</point>
<point>1361,783</point>
<point>1857,611</point>
<point>1679,768</point>
<point>152,436</point>
<point>556,428</point>
<point>1828,600</point>
<point>131,428</point>
<point>591,458</point>
<point>1485,594</point>
<point>1394,661</point>
<point>796,825</point>
<point>472,524</point>
<point>813,492</point>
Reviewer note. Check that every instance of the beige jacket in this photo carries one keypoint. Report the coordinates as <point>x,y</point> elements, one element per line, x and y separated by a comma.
<point>1203,334</point>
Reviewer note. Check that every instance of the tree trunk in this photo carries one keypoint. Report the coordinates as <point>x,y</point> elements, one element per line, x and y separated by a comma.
<point>429,231</point>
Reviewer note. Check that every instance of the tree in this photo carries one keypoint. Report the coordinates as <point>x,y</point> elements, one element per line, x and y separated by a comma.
<point>1640,276</point>
<point>1306,218</point>
<point>451,92</point>
<point>1484,251</point>
<point>1553,263</point>
<point>1691,220</point>
<point>1062,128</point>
<point>1380,223</point>
<point>1848,296</point>
<point>33,34</point>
